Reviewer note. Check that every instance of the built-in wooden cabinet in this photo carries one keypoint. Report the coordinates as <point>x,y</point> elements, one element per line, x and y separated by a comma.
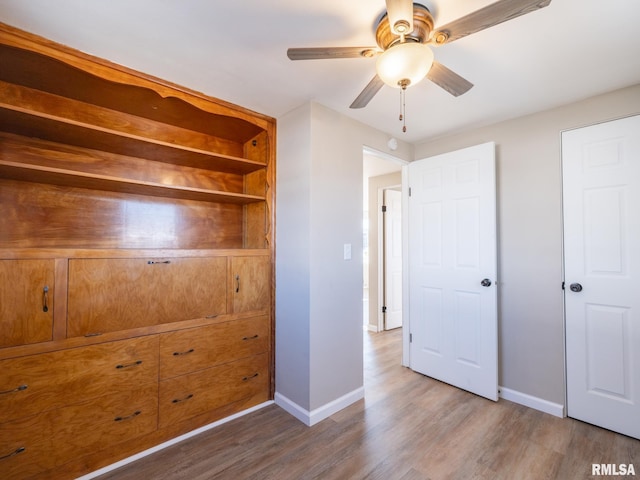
<point>136,260</point>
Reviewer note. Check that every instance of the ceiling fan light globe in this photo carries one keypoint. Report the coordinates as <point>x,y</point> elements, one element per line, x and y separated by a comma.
<point>404,64</point>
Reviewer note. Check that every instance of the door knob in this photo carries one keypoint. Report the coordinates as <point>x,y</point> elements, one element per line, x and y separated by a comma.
<point>485,282</point>
<point>575,287</point>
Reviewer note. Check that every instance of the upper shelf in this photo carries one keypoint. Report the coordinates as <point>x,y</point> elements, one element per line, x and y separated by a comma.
<point>34,113</point>
<point>72,74</point>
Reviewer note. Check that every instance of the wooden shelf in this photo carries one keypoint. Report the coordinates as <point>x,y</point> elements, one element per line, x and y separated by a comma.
<point>71,178</point>
<point>29,112</point>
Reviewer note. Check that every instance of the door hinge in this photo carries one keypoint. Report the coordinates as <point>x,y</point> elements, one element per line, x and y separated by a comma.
<point>384,309</point>
<point>411,338</point>
<point>409,191</point>
<point>384,208</point>
<point>563,285</point>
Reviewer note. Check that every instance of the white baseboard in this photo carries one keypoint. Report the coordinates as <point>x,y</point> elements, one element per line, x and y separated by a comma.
<point>310,418</point>
<point>530,401</point>
<point>372,328</point>
<point>173,441</point>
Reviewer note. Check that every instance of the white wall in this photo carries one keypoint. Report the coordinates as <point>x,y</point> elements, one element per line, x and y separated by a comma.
<point>318,293</point>
<point>531,322</point>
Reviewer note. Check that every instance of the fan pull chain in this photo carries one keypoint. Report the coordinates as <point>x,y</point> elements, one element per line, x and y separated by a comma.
<point>403,109</point>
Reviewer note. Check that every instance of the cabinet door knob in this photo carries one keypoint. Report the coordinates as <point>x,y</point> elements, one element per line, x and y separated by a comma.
<point>17,389</point>
<point>186,352</point>
<point>14,453</point>
<point>45,299</point>
<point>178,400</point>
<point>133,415</point>
<point>127,365</point>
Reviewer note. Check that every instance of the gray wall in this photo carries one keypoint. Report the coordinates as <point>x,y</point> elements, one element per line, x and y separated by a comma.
<point>531,323</point>
<point>318,293</point>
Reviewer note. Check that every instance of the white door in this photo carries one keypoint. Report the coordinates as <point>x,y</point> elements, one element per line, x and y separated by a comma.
<point>453,268</point>
<point>601,196</point>
<point>392,225</point>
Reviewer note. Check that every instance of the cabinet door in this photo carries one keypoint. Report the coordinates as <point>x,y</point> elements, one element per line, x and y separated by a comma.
<point>186,351</point>
<point>36,383</point>
<point>107,295</point>
<point>251,283</point>
<point>26,301</point>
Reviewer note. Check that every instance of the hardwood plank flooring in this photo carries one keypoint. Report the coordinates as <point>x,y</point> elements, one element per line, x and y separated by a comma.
<point>409,427</point>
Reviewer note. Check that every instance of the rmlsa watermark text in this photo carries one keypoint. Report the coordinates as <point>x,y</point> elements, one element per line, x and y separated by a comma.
<point>616,469</point>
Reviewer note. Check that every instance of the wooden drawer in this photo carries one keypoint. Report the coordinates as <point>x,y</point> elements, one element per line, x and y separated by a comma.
<point>195,393</point>
<point>29,385</point>
<point>110,294</point>
<point>194,349</point>
<point>42,442</point>
<point>26,301</point>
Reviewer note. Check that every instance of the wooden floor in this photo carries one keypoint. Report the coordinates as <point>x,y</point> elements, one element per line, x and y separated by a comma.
<point>408,427</point>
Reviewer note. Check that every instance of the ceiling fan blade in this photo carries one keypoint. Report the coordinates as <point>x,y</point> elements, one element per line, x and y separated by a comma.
<point>368,93</point>
<point>319,53</point>
<point>486,17</point>
<point>449,80</point>
<point>400,15</point>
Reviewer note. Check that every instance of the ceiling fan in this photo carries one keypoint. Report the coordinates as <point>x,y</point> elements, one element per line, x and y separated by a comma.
<point>404,35</point>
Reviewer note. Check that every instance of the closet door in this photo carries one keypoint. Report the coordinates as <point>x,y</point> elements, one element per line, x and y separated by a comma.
<point>601,185</point>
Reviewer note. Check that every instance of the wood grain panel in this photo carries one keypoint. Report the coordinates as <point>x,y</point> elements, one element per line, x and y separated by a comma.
<point>23,319</point>
<point>107,295</point>
<point>44,382</point>
<point>52,438</point>
<point>69,81</point>
<point>68,112</point>
<point>47,216</point>
<point>250,283</point>
<point>195,349</point>
<point>189,395</point>
<point>15,149</point>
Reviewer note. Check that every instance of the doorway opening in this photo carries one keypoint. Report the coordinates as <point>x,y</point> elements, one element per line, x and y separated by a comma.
<point>381,172</point>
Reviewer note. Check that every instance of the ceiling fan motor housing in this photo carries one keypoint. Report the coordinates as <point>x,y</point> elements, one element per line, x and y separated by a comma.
<point>422,28</point>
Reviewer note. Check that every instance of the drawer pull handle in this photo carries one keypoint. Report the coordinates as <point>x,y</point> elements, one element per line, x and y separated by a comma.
<point>251,338</point>
<point>191,350</point>
<point>178,400</point>
<point>14,453</point>
<point>152,262</point>
<point>244,379</point>
<point>237,283</point>
<point>214,315</point>
<point>45,299</point>
<point>93,334</point>
<point>133,415</point>
<point>127,365</point>
<point>17,389</point>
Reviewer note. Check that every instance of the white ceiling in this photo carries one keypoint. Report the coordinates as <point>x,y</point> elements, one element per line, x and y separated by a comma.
<point>236,50</point>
